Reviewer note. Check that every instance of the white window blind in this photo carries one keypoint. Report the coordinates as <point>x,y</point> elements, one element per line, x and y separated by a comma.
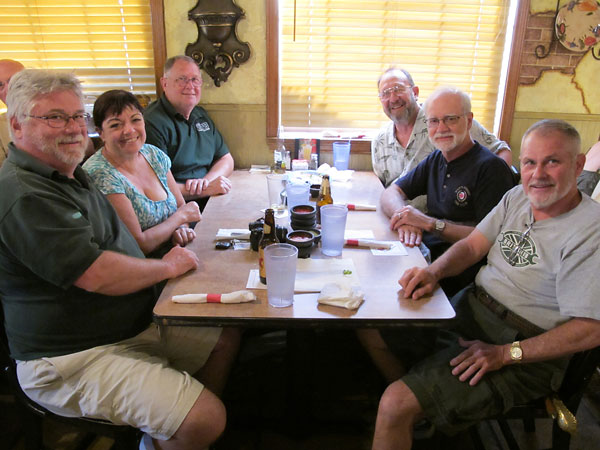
<point>107,43</point>
<point>329,71</point>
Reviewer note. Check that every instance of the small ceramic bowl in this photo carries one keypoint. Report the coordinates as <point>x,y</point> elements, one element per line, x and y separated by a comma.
<point>302,240</point>
<point>303,212</point>
<point>316,233</point>
<point>314,190</point>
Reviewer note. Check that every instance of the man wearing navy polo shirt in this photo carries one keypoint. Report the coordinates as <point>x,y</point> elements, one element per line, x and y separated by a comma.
<point>200,158</point>
<point>463,181</point>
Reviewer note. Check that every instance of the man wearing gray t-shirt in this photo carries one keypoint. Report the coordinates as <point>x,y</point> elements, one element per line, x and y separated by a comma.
<point>533,304</point>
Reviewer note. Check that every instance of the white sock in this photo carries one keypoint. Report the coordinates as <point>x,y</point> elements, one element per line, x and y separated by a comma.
<point>146,443</point>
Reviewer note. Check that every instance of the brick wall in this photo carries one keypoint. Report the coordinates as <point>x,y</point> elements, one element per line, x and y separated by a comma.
<point>540,31</point>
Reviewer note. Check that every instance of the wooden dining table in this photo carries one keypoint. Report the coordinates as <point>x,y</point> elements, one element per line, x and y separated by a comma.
<point>224,271</point>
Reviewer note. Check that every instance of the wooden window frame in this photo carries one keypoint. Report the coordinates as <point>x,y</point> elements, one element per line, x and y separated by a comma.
<point>361,146</point>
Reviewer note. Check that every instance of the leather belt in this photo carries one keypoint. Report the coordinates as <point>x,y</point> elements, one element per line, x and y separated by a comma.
<point>524,326</point>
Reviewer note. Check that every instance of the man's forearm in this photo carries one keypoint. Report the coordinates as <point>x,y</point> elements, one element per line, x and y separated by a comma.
<point>576,335</point>
<point>454,232</point>
<point>116,274</point>
<point>223,167</point>
<point>461,255</point>
<point>392,200</point>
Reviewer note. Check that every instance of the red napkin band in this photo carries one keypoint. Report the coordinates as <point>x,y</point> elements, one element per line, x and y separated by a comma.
<point>352,242</point>
<point>351,207</point>
<point>213,298</point>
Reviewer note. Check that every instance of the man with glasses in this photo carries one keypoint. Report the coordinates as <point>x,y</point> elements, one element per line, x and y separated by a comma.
<point>200,158</point>
<point>8,68</point>
<point>77,292</point>
<point>402,143</point>
<point>533,304</point>
<point>463,181</point>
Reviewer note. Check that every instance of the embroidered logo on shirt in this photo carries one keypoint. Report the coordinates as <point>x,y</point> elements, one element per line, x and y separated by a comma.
<point>462,196</point>
<point>204,126</point>
<point>517,248</point>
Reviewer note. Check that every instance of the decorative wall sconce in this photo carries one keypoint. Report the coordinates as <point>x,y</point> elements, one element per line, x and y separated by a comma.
<point>577,27</point>
<point>218,49</point>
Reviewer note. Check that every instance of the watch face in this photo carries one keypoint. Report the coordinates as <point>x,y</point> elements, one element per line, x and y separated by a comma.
<point>516,353</point>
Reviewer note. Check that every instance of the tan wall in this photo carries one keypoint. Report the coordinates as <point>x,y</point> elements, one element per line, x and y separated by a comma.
<point>562,86</point>
<point>238,106</point>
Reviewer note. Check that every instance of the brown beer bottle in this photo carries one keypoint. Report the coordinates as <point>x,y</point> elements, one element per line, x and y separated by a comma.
<point>269,237</point>
<point>324,196</point>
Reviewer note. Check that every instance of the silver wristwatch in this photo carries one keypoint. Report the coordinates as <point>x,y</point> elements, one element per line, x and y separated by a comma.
<point>440,226</point>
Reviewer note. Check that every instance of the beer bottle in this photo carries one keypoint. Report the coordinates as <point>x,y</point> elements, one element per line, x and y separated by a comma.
<point>324,196</point>
<point>269,237</point>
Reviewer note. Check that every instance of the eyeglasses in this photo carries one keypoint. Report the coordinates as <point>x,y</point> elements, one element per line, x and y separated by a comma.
<point>449,121</point>
<point>61,120</point>
<point>514,255</point>
<point>398,89</point>
<point>183,81</point>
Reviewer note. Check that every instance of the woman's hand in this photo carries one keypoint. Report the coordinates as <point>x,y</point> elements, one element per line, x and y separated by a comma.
<point>189,212</point>
<point>183,236</point>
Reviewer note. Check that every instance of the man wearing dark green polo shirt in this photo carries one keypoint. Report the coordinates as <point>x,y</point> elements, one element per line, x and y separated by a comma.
<point>200,159</point>
<point>77,293</point>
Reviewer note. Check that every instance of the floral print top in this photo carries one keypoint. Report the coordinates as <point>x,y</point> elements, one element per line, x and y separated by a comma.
<point>110,181</point>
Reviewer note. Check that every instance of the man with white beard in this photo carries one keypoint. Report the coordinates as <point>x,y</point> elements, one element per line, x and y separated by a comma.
<point>463,181</point>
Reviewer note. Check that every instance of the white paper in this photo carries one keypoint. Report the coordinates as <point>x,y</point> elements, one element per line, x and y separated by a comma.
<point>397,249</point>
<point>229,233</point>
<point>313,274</point>
<point>359,234</point>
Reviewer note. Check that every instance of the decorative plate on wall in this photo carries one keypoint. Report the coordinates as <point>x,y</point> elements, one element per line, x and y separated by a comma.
<point>578,25</point>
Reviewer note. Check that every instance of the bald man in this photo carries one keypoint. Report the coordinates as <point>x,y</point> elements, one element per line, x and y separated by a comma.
<point>8,68</point>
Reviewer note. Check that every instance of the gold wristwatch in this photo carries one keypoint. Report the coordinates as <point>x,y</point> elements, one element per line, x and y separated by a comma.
<point>516,352</point>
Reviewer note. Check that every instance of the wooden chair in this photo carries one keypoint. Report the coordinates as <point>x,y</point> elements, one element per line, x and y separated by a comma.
<point>561,406</point>
<point>125,437</point>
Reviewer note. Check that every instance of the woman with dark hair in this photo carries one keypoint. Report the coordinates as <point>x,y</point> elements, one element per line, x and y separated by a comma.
<point>136,177</point>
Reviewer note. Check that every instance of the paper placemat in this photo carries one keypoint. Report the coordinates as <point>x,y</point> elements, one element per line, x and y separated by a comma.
<point>313,274</point>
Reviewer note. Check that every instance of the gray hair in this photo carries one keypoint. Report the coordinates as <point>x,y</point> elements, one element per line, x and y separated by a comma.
<point>549,126</point>
<point>404,72</point>
<point>464,98</point>
<point>29,84</point>
<point>169,63</point>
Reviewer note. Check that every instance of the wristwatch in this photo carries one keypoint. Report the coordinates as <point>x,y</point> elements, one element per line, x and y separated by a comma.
<point>516,352</point>
<point>440,225</point>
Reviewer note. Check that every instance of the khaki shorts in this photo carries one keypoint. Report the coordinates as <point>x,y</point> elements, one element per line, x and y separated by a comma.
<point>144,381</point>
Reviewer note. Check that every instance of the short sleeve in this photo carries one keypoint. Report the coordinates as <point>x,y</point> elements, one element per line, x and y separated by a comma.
<point>414,183</point>
<point>159,158</point>
<point>106,178</point>
<point>487,139</point>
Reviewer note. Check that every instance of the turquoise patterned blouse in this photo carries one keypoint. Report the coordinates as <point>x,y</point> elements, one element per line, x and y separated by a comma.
<point>110,181</point>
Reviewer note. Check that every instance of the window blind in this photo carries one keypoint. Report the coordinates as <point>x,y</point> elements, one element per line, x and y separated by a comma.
<point>329,69</point>
<point>107,43</point>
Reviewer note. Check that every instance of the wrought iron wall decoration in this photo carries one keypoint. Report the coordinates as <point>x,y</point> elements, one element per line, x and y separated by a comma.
<point>218,49</point>
<point>577,27</point>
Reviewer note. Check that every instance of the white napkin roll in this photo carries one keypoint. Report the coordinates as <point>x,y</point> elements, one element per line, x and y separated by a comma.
<point>232,297</point>
<point>343,296</point>
<point>361,207</point>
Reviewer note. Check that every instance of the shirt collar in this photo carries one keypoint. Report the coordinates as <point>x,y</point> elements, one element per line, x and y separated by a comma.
<point>173,113</point>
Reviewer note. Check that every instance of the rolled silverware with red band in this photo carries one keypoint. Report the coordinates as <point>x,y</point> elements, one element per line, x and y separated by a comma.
<point>232,297</point>
<point>359,207</point>
<point>367,243</point>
